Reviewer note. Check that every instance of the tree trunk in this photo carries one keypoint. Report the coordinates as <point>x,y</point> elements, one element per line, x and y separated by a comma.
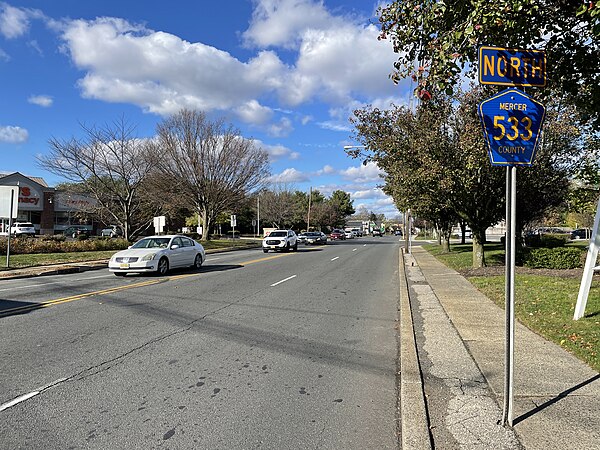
<point>205,224</point>
<point>478,249</point>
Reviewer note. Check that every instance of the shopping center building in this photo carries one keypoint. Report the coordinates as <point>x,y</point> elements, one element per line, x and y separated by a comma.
<point>49,210</point>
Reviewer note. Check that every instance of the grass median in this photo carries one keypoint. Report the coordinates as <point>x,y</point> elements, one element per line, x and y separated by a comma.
<point>22,261</point>
<point>544,300</point>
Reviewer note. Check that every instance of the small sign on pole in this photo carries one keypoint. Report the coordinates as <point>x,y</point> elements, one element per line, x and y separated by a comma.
<point>159,224</point>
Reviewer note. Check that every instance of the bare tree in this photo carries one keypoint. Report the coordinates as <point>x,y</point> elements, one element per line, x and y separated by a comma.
<point>210,162</point>
<point>277,205</point>
<point>111,165</point>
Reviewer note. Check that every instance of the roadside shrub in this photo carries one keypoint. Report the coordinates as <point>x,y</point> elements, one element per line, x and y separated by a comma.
<point>553,258</point>
<point>546,240</point>
<point>56,245</point>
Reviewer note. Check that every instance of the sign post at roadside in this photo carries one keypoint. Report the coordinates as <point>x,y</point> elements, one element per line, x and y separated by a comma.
<point>9,207</point>
<point>512,123</point>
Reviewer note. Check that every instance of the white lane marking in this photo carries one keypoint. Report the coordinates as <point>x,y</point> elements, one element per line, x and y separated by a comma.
<point>364,245</point>
<point>22,398</point>
<point>18,400</point>
<point>353,249</point>
<point>212,259</point>
<point>333,259</point>
<point>284,280</point>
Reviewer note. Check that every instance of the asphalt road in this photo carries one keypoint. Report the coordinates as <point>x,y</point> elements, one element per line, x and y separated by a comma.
<point>255,350</point>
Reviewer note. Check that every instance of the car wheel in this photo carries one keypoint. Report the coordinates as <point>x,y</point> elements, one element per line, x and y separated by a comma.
<point>296,247</point>
<point>120,274</point>
<point>198,261</point>
<point>265,250</point>
<point>74,235</point>
<point>163,266</point>
<point>287,247</point>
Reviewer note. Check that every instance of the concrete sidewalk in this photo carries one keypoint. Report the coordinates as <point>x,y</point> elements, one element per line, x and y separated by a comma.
<point>459,335</point>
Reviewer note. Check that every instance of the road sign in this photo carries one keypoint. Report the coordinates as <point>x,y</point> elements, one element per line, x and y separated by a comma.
<point>512,67</point>
<point>233,220</point>
<point>159,224</point>
<point>9,198</point>
<point>512,122</point>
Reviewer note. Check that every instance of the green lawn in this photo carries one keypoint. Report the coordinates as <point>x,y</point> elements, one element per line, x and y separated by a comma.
<point>543,303</point>
<point>41,259</point>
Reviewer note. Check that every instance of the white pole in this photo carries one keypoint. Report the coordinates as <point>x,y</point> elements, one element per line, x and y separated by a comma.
<point>10,222</point>
<point>588,271</point>
<point>258,215</point>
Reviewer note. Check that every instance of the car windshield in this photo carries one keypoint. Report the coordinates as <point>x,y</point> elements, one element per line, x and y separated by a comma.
<point>25,225</point>
<point>278,234</point>
<point>152,243</point>
<point>312,233</point>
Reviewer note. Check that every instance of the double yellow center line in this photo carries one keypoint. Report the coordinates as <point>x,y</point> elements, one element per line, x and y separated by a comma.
<point>58,301</point>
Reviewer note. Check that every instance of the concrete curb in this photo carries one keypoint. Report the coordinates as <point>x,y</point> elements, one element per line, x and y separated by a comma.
<point>413,410</point>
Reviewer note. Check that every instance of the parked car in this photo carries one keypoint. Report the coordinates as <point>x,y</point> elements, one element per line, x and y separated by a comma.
<point>111,231</point>
<point>581,233</point>
<point>76,230</point>
<point>315,237</point>
<point>158,254</point>
<point>22,229</point>
<point>280,240</point>
<point>337,235</point>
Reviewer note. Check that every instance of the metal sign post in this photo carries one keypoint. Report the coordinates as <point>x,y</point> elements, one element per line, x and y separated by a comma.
<point>233,224</point>
<point>512,123</point>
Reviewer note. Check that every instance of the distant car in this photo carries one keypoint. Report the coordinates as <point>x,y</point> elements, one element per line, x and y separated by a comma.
<point>111,231</point>
<point>76,230</point>
<point>337,235</point>
<point>280,240</point>
<point>301,238</point>
<point>22,229</point>
<point>349,234</point>
<point>158,254</point>
<point>315,237</point>
<point>376,232</point>
<point>398,233</point>
<point>357,232</point>
<point>581,233</point>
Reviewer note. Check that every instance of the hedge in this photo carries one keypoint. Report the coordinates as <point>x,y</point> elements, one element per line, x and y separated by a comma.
<point>28,245</point>
<point>554,258</point>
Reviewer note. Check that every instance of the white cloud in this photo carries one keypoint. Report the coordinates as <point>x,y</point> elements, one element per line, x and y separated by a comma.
<point>281,23</point>
<point>326,170</point>
<point>4,56</point>
<point>277,152</point>
<point>281,129</point>
<point>334,126</point>
<point>290,175</point>
<point>254,113</point>
<point>374,193</point>
<point>363,173</point>
<point>13,135</point>
<point>14,22</point>
<point>41,100</point>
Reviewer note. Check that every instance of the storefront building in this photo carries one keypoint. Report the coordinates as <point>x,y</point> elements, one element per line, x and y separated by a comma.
<point>50,211</point>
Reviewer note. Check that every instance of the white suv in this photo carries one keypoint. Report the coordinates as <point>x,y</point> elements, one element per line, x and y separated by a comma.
<point>22,229</point>
<point>280,240</point>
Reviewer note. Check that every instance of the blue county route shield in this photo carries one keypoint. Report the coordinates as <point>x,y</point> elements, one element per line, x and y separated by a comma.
<point>512,123</point>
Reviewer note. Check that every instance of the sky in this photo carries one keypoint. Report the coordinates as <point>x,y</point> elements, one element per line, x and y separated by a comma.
<point>286,73</point>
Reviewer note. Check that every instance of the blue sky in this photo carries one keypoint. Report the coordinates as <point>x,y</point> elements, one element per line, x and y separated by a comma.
<point>287,73</point>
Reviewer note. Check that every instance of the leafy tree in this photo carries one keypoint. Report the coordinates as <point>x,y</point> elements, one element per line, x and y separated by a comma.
<point>212,164</point>
<point>343,205</point>
<point>111,165</point>
<point>444,36</point>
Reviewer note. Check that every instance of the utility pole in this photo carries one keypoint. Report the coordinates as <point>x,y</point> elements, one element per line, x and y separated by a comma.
<point>309,201</point>
<point>258,214</point>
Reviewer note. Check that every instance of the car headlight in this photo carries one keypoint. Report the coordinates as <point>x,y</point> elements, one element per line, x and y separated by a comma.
<point>148,257</point>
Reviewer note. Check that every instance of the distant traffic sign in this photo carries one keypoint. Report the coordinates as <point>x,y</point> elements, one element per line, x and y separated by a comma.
<point>512,67</point>
<point>511,124</point>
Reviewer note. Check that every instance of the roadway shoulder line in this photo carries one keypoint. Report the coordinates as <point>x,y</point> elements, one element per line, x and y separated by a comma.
<point>18,400</point>
<point>284,280</point>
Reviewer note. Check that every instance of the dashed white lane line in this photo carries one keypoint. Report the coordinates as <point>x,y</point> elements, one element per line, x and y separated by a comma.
<point>25,397</point>
<point>353,249</point>
<point>284,280</point>
<point>364,245</point>
<point>337,257</point>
